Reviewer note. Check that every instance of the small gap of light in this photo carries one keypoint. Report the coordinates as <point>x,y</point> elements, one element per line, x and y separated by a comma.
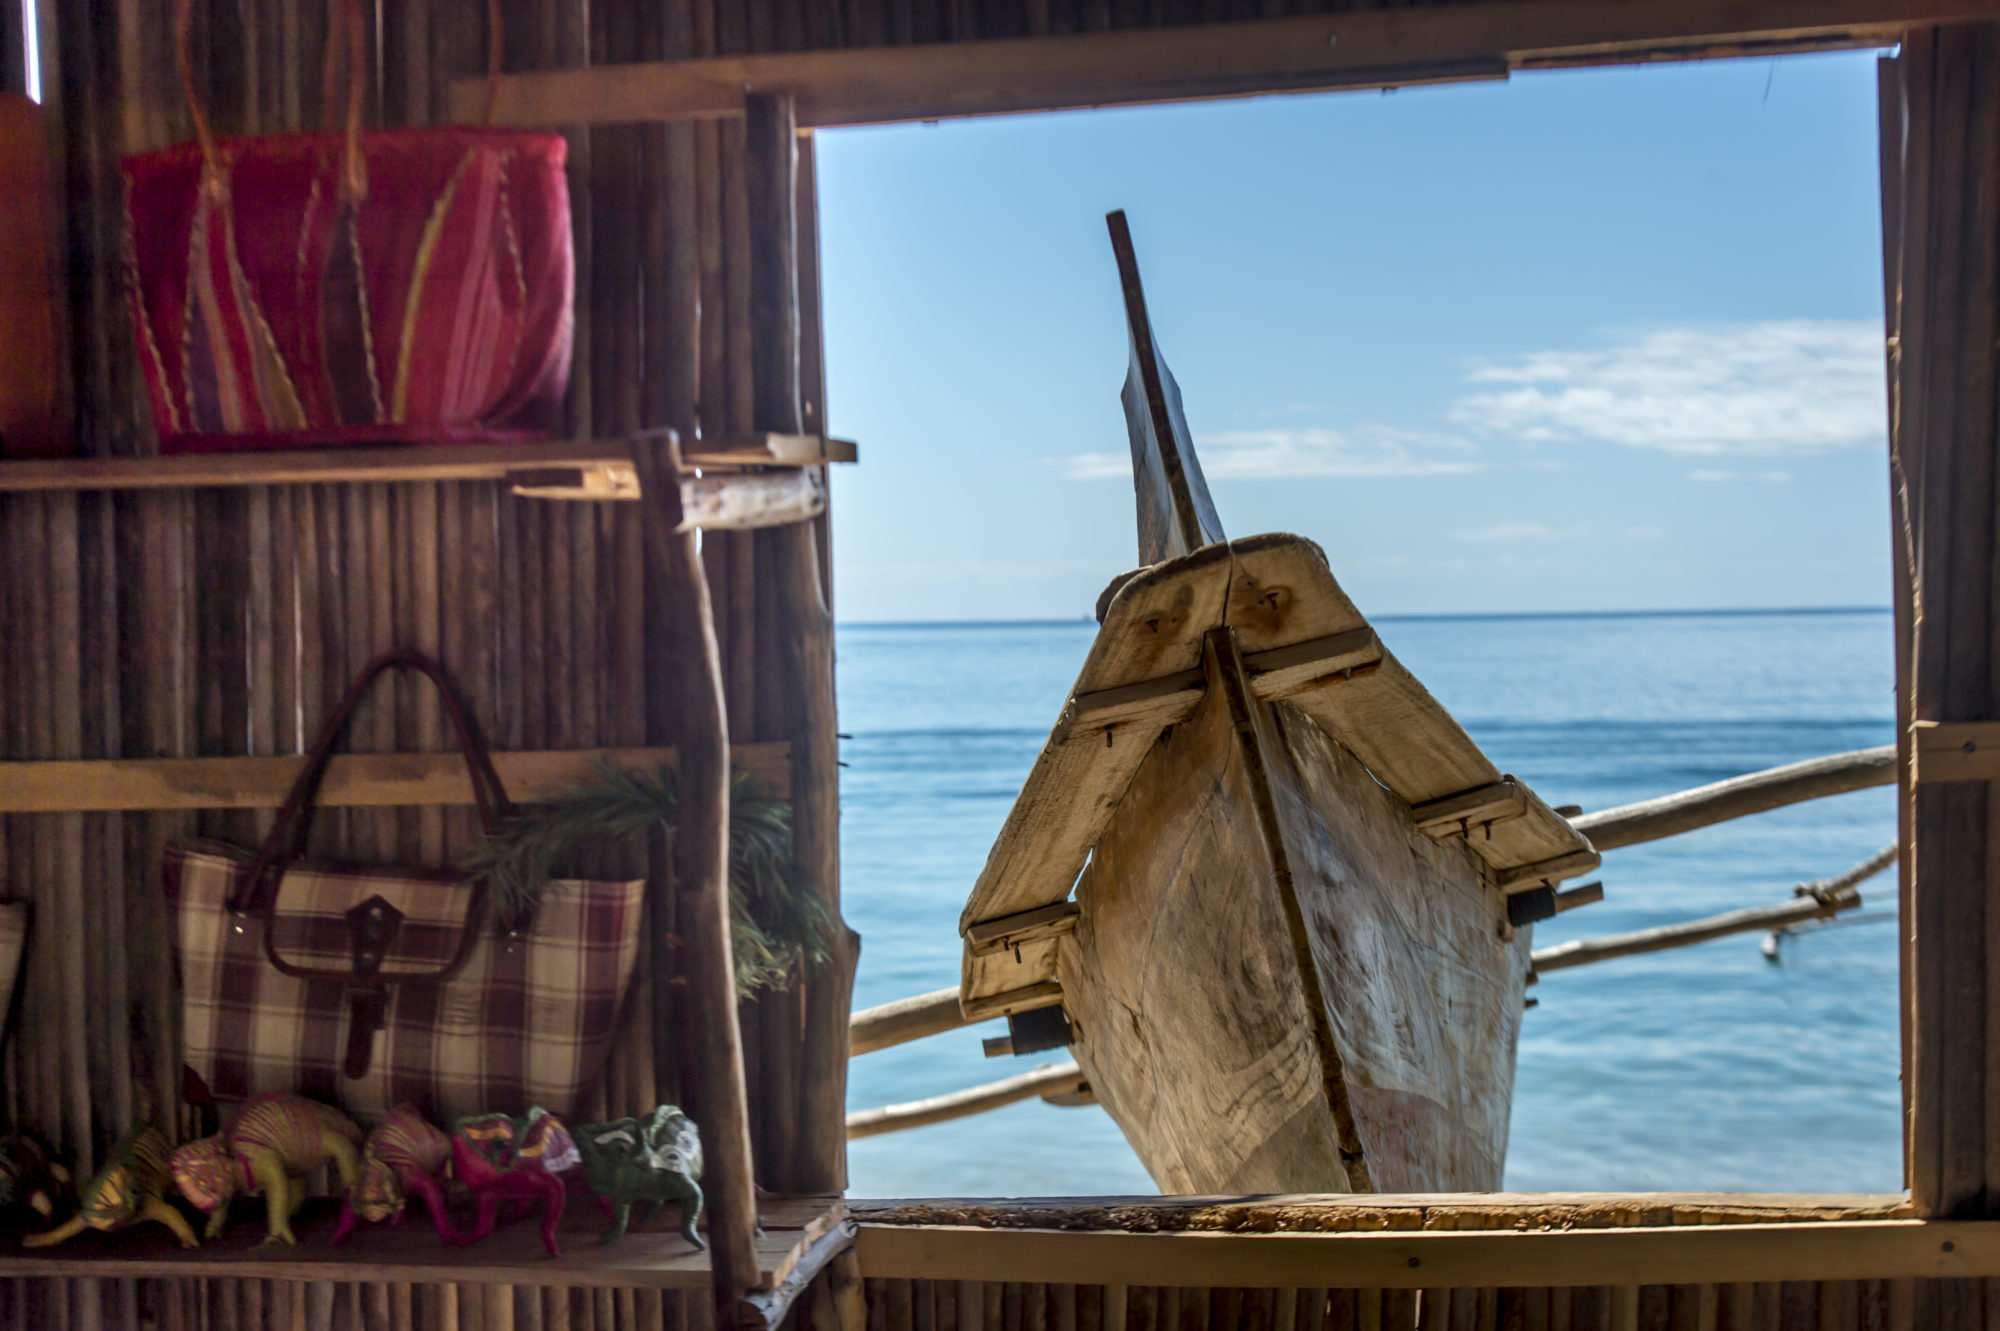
<point>31,49</point>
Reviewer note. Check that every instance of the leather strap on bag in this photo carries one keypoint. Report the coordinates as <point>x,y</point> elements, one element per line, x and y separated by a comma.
<point>286,840</point>
<point>372,926</point>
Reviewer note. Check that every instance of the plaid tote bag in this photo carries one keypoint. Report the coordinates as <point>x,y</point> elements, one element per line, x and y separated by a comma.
<point>366,986</point>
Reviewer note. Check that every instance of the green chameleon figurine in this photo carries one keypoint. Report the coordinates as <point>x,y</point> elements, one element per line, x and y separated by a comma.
<point>659,1160</point>
<point>273,1140</point>
<point>131,1187</point>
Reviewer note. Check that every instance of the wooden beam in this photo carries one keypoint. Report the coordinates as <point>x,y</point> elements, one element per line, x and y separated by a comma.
<point>1811,901</point>
<point>1456,814</point>
<point>1554,870</point>
<point>1329,1212</point>
<point>1738,797</point>
<point>1027,926</point>
<point>697,931</point>
<point>1945,128</point>
<point>1042,993</point>
<point>1283,672</point>
<point>1279,672</point>
<point>1156,702</point>
<point>1954,751</point>
<point>1053,1079</point>
<point>1368,49</point>
<point>592,469</point>
<point>738,502</point>
<point>904,1020</point>
<point>353,780</point>
<point>805,1127</point>
<point>1441,1259</point>
<point>654,1256</point>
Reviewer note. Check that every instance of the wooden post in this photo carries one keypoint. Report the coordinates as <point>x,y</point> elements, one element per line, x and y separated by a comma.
<point>1947,124</point>
<point>819,1162</point>
<point>1891,111</point>
<point>714,1082</point>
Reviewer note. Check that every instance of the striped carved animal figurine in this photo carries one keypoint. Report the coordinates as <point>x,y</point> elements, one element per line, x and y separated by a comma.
<point>131,1187</point>
<point>273,1140</point>
<point>403,1154</point>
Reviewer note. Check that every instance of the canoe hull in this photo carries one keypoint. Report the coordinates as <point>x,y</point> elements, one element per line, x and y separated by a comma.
<point>1278,984</point>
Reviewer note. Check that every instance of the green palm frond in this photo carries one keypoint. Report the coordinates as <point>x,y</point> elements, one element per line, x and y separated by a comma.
<point>776,920</point>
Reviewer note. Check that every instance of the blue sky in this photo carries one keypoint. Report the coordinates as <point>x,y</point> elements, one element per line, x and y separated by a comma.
<point>1585,340</point>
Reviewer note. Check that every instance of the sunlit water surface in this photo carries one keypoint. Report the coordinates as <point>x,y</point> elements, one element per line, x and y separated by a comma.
<point>1703,1068</point>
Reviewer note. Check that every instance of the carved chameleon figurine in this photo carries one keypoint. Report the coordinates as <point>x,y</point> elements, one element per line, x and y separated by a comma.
<point>405,1153</point>
<point>131,1187</point>
<point>274,1139</point>
<point>505,1159</point>
<point>626,1161</point>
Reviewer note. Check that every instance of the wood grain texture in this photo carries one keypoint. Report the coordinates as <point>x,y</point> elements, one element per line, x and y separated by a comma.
<point>1164,61</point>
<point>1948,125</point>
<point>713,1061</point>
<point>1276,593</point>
<point>352,780</point>
<point>1264,963</point>
<point>651,1256</point>
<point>594,470</point>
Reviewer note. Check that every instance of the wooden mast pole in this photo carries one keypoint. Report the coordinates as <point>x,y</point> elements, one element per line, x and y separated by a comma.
<point>1176,516</point>
<point>713,1084</point>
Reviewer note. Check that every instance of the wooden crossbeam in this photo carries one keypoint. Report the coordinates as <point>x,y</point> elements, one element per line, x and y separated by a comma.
<point>1523,876</point>
<point>1955,751</point>
<point>1373,48</point>
<point>1029,925</point>
<point>1284,672</point>
<point>1453,814</point>
<point>1042,993</point>
<point>1441,1259</point>
<point>353,780</point>
<point>592,469</point>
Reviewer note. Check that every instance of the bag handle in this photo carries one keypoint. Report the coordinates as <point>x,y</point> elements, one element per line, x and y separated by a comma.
<point>287,837</point>
<point>346,33</point>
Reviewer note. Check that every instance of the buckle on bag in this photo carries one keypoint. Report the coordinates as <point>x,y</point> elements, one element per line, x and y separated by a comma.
<point>371,928</point>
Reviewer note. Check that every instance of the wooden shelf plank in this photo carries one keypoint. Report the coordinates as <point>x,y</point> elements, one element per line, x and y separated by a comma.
<point>794,1232</point>
<point>379,780</point>
<point>591,469</point>
<point>1379,48</point>
<point>1431,1259</point>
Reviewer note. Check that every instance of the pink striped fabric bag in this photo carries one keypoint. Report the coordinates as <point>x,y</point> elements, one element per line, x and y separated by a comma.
<point>366,986</point>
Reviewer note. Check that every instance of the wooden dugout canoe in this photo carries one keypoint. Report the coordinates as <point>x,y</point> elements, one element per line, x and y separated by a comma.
<point>1265,874</point>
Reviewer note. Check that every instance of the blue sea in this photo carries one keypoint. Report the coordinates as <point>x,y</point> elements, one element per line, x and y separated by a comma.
<point>1709,1067</point>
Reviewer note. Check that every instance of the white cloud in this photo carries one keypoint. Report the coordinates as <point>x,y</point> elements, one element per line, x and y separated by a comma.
<point>1235,455</point>
<point>1513,531</point>
<point>1785,387</point>
<point>1706,474</point>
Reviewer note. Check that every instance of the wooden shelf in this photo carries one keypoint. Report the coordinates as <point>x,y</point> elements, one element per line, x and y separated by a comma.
<point>588,470</point>
<point>353,780</point>
<point>798,1236</point>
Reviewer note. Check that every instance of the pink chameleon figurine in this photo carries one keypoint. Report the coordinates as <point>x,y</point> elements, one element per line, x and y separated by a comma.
<point>514,1159</point>
<point>404,1154</point>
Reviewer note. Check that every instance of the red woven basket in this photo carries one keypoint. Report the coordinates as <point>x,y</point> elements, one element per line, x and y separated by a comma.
<point>309,290</point>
